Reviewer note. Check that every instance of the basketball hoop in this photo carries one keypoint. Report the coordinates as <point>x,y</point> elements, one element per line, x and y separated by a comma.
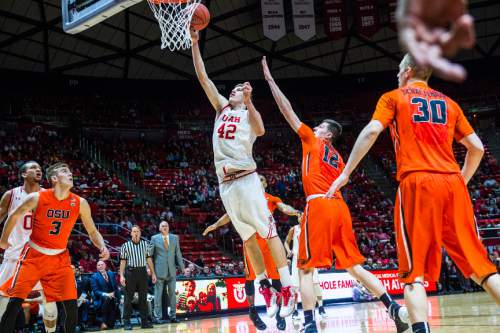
<point>174,18</point>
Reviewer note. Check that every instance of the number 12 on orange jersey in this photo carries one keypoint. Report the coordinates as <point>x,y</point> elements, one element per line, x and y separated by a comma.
<point>226,131</point>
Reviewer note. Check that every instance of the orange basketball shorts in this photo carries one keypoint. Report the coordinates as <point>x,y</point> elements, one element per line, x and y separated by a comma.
<point>54,273</point>
<point>271,269</point>
<point>433,211</point>
<point>326,231</point>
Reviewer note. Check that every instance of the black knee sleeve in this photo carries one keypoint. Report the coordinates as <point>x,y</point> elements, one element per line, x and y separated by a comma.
<point>8,322</point>
<point>70,309</point>
<point>276,285</point>
<point>250,288</point>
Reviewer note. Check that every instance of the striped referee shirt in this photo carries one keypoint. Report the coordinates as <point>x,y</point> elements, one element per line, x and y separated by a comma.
<point>136,253</point>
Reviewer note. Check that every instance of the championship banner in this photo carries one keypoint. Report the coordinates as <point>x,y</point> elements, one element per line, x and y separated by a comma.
<point>335,18</point>
<point>273,19</point>
<point>304,23</point>
<point>392,4</point>
<point>367,17</point>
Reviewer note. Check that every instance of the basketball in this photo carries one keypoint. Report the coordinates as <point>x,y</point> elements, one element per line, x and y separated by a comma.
<point>201,18</point>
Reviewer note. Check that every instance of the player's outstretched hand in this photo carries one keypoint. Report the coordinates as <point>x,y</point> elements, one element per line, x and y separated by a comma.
<point>104,255</point>
<point>153,278</point>
<point>122,281</point>
<point>247,92</point>
<point>265,69</point>
<point>194,36</point>
<point>337,185</point>
<point>432,30</point>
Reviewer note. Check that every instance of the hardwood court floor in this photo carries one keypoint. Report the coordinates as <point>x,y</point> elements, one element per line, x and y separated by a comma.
<point>465,313</point>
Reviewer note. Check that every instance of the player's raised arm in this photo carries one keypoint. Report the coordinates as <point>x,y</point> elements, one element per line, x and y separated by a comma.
<point>217,100</point>
<point>475,152</point>
<point>223,220</point>
<point>283,102</point>
<point>4,205</point>
<point>364,142</point>
<point>253,115</point>
<point>94,234</point>
<point>26,206</point>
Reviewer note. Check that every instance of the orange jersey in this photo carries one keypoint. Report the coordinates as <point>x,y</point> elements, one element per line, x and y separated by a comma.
<point>423,123</point>
<point>321,163</point>
<point>272,202</point>
<point>53,220</point>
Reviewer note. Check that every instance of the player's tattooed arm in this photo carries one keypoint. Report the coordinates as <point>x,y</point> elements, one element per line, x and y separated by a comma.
<point>223,220</point>
<point>217,100</point>
<point>4,205</point>
<point>287,209</point>
<point>26,206</point>
<point>475,152</point>
<point>363,143</point>
<point>287,242</point>
<point>94,234</point>
<point>283,103</point>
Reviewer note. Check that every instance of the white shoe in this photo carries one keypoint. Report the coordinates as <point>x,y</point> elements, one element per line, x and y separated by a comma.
<point>288,297</point>
<point>271,297</point>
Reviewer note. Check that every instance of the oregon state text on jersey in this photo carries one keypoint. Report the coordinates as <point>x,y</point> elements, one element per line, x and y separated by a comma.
<point>54,219</point>
<point>233,140</point>
<point>423,124</point>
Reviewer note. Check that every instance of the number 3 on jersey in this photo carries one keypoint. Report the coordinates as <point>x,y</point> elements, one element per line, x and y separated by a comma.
<point>226,131</point>
<point>57,228</point>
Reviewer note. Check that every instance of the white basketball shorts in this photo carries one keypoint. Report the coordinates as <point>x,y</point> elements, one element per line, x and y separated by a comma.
<point>296,276</point>
<point>244,201</point>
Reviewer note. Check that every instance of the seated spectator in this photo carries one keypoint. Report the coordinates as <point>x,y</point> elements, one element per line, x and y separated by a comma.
<point>83,293</point>
<point>106,294</point>
<point>206,272</point>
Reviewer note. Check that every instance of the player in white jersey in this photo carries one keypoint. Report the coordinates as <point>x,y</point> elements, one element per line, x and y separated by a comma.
<point>237,125</point>
<point>293,237</point>
<point>31,172</point>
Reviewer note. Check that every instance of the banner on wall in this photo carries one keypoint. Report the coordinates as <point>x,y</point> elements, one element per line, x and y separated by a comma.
<point>216,295</point>
<point>335,15</point>
<point>273,19</point>
<point>367,17</point>
<point>304,23</point>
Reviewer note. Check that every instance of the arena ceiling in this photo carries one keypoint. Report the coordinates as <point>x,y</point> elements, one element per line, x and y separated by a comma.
<point>127,45</point>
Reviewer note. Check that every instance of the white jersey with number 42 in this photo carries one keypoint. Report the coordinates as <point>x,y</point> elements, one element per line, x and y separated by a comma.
<point>233,140</point>
<point>20,235</point>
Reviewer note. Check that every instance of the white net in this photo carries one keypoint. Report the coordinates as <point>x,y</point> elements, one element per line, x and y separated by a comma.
<point>174,19</point>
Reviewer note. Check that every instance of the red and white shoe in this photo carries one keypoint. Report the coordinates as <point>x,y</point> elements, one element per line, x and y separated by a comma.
<point>288,301</point>
<point>271,298</point>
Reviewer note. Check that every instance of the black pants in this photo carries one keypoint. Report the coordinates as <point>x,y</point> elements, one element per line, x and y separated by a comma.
<point>136,279</point>
<point>108,311</point>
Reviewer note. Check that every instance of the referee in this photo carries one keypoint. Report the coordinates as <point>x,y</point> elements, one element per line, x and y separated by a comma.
<point>134,256</point>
